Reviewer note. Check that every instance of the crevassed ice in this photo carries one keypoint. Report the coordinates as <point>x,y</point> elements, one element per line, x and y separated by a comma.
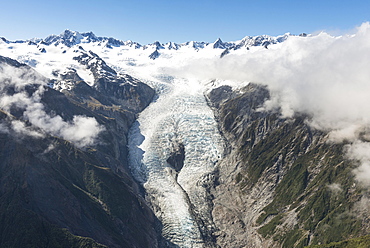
<point>180,113</point>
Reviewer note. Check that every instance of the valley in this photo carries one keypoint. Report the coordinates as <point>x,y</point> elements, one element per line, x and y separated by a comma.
<point>109,143</point>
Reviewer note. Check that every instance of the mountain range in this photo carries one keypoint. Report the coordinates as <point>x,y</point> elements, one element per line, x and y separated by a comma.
<point>109,143</point>
<point>70,38</point>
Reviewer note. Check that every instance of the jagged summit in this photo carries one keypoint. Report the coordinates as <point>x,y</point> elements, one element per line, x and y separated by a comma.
<point>261,40</point>
<point>196,44</point>
<point>172,46</point>
<point>88,41</point>
<point>70,44</point>
<point>3,40</point>
<point>70,38</point>
<point>219,44</point>
<point>156,45</point>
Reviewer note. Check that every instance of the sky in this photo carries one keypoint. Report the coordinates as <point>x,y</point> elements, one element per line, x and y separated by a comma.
<point>178,21</point>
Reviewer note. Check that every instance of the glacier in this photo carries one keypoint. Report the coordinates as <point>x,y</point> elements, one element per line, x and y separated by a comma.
<point>179,114</point>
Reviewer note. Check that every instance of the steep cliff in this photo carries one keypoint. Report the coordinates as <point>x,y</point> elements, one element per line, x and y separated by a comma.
<point>282,183</point>
<point>64,180</point>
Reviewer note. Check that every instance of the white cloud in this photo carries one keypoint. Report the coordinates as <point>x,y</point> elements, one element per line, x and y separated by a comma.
<point>325,77</point>
<point>20,128</point>
<point>360,151</point>
<point>18,77</point>
<point>335,188</point>
<point>349,133</point>
<point>3,128</point>
<point>82,130</point>
<point>49,148</point>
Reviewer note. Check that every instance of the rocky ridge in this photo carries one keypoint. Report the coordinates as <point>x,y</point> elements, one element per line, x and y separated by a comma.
<point>275,186</point>
<point>63,189</point>
<point>71,39</point>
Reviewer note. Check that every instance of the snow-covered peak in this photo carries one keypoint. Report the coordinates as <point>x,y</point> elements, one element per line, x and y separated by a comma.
<point>131,43</point>
<point>156,45</point>
<point>3,40</point>
<point>196,44</point>
<point>71,38</point>
<point>94,57</point>
<point>171,46</point>
<point>261,40</point>
<point>218,44</point>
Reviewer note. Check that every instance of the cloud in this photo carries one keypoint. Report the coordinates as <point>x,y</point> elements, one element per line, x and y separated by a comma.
<point>327,77</point>
<point>4,128</point>
<point>21,128</point>
<point>49,148</point>
<point>323,76</point>
<point>360,151</point>
<point>82,130</point>
<point>335,188</point>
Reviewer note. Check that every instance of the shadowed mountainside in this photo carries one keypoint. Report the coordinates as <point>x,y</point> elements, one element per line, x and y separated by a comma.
<point>54,193</point>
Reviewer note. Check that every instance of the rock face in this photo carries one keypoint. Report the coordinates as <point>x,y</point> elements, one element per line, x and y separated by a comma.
<point>281,184</point>
<point>64,191</point>
<point>154,55</point>
<point>177,157</point>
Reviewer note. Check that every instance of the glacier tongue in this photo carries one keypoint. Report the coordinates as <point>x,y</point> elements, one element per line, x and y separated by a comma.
<point>180,114</point>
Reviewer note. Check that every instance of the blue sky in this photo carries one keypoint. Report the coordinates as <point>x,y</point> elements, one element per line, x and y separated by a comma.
<point>179,21</point>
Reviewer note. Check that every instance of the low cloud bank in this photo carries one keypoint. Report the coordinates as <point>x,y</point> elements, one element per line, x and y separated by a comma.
<point>82,130</point>
<point>323,76</point>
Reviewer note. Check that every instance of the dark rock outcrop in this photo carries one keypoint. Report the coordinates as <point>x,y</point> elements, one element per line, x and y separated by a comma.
<point>177,157</point>
<point>56,194</point>
<point>154,55</point>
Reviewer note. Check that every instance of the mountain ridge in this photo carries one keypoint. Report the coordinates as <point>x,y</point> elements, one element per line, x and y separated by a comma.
<point>71,38</point>
<point>60,187</point>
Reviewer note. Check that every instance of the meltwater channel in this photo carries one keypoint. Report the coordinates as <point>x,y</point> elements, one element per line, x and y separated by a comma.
<point>179,120</point>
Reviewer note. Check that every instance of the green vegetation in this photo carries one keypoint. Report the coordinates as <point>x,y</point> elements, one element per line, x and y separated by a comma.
<point>320,211</point>
<point>269,228</point>
<point>276,146</point>
<point>294,238</point>
<point>307,167</point>
<point>312,184</point>
<point>361,242</point>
